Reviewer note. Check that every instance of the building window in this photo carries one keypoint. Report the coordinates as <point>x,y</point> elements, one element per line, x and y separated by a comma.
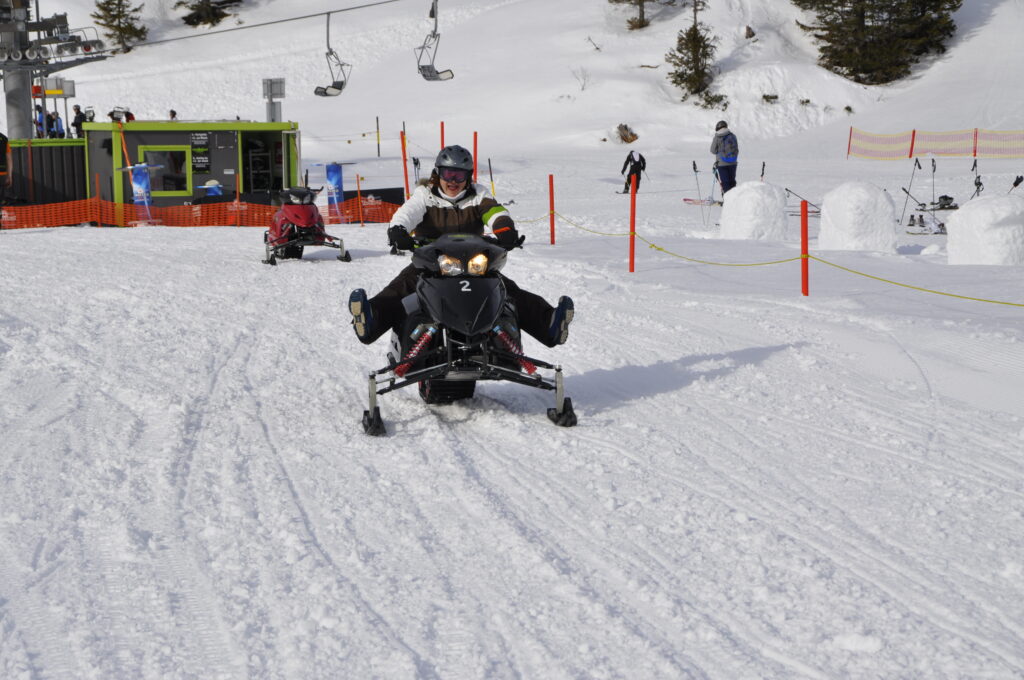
<point>170,169</point>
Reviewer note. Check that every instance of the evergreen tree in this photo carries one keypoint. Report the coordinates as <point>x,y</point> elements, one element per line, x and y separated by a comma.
<point>692,59</point>
<point>120,22</point>
<point>877,41</point>
<point>640,20</point>
<point>206,12</point>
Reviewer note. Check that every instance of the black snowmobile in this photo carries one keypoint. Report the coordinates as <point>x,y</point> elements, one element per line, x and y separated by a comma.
<point>460,328</point>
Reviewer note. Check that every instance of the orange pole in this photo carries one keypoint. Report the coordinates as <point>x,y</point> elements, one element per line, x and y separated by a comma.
<point>31,184</point>
<point>913,141</point>
<point>405,165</point>
<point>805,286</point>
<point>238,204</point>
<point>632,222</point>
<point>551,194</point>
<point>442,134</point>
<point>359,200</point>
<point>849,144</point>
<point>474,157</point>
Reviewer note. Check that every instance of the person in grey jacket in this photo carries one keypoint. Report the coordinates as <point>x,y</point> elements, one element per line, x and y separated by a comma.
<point>727,151</point>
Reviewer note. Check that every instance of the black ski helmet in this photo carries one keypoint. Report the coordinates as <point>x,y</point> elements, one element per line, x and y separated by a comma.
<point>720,124</point>
<point>454,157</point>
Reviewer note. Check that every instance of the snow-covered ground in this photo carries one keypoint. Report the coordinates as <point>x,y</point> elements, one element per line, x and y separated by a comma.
<point>761,484</point>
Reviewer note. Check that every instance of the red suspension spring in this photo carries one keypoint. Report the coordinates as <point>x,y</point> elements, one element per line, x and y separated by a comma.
<point>515,349</point>
<point>421,344</point>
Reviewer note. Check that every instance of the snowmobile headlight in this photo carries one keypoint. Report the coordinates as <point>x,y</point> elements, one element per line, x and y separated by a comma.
<point>450,266</point>
<point>477,265</point>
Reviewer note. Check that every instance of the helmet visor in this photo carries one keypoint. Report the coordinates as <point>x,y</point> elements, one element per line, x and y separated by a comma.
<point>454,174</point>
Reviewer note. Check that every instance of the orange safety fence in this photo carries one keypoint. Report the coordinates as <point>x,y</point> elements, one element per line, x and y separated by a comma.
<point>232,214</point>
<point>974,143</point>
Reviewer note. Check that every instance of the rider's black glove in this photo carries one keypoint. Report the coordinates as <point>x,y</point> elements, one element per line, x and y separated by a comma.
<point>510,239</point>
<point>400,238</point>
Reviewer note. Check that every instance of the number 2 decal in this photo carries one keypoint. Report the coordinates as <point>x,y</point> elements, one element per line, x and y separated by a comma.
<point>465,286</point>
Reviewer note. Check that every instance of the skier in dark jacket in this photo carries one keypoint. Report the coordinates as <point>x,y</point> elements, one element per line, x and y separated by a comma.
<point>636,163</point>
<point>727,150</point>
<point>77,121</point>
<point>452,204</point>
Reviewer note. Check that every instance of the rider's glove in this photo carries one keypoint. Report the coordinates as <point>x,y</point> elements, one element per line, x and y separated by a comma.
<point>400,238</point>
<point>509,239</point>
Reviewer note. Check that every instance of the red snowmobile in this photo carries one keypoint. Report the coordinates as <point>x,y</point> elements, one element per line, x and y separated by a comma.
<point>296,225</point>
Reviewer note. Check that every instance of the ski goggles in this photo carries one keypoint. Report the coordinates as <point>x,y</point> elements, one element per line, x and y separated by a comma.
<point>454,174</point>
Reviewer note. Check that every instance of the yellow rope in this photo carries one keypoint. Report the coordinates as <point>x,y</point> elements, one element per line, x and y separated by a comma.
<point>660,249</point>
<point>904,285</point>
<point>718,264</point>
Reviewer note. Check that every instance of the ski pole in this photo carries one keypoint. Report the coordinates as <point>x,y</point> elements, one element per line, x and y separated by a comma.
<point>978,186</point>
<point>933,189</point>
<point>920,206</point>
<point>917,164</point>
<point>696,176</point>
<point>790,191</point>
<point>491,173</point>
<point>933,181</point>
<point>1016,182</point>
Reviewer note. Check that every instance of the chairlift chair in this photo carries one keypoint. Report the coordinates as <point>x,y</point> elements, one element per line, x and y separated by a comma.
<point>340,71</point>
<point>429,46</point>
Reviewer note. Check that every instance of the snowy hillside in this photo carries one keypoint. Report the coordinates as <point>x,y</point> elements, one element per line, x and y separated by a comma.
<point>761,484</point>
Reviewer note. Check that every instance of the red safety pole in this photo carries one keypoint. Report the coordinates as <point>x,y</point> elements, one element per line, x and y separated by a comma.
<point>474,157</point>
<point>805,268</point>
<point>405,165</point>
<point>975,152</point>
<point>849,144</point>
<point>913,141</point>
<point>551,194</point>
<point>442,134</point>
<point>632,222</point>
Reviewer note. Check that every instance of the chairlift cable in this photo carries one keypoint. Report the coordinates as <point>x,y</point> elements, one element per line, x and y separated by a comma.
<point>266,23</point>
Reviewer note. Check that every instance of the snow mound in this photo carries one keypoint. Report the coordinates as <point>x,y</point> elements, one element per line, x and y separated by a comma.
<point>858,216</point>
<point>754,210</point>
<point>987,230</point>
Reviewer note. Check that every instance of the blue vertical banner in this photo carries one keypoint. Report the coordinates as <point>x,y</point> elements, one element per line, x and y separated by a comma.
<point>335,192</point>
<point>141,195</point>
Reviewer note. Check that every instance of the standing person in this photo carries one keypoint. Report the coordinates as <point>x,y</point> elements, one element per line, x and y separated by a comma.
<point>452,204</point>
<point>48,128</point>
<point>727,150</point>
<point>636,163</point>
<point>40,122</point>
<point>6,169</point>
<point>77,121</point>
<point>58,125</point>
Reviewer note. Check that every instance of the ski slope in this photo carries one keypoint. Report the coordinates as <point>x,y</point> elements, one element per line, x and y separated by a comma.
<point>761,484</point>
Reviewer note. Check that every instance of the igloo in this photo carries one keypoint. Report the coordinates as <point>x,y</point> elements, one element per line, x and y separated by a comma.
<point>858,216</point>
<point>754,210</point>
<point>987,230</point>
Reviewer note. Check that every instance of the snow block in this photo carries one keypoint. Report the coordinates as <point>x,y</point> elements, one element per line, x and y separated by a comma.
<point>756,211</point>
<point>858,216</point>
<point>987,230</point>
